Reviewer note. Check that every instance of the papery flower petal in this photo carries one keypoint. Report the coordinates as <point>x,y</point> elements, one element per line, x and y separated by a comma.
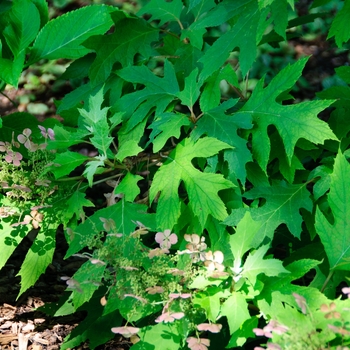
<point>218,257</point>
<point>159,238</point>
<point>210,327</point>
<point>126,331</point>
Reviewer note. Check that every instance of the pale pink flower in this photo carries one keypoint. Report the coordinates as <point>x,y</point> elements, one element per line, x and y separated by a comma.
<point>197,343</point>
<point>126,331</point>
<point>49,133</point>
<point>5,146</point>
<point>34,218</point>
<point>24,139</point>
<point>170,317</point>
<point>346,290</point>
<point>195,248</point>
<point>13,157</point>
<point>180,295</point>
<point>166,239</point>
<point>301,301</point>
<point>213,261</point>
<point>143,300</point>
<point>108,224</point>
<point>43,182</point>
<point>176,272</point>
<point>210,327</point>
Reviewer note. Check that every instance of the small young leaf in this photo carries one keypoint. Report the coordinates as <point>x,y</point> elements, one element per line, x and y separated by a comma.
<point>128,187</point>
<point>75,204</point>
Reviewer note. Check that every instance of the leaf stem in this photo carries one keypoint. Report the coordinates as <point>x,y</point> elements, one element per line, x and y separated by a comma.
<point>330,275</point>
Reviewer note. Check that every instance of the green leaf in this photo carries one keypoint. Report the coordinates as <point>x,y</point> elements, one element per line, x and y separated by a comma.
<point>242,240</point>
<point>190,93</point>
<point>63,37</point>
<point>94,167</point>
<point>65,137</point>
<point>211,95</point>
<point>293,122</point>
<point>124,214</point>
<point>210,301</point>
<point>43,9</point>
<point>235,308</point>
<point>128,187</point>
<point>340,26</point>
<point>95,120</point>
<point>243,34</point>
<point>38,258</point>
<point>10,238</point>
<point>283,203</point>
<point>255,264</point>
<point>163,10</point>
<point>216,123</point>
<point>66,162</point>
<point>131,36</point>
<point>334,236</point>
<point>24,23</point>
<point>86,281</point>
<point>239,337</point>
<point>158,93</point>
<point>201,187</point>
<point>75,204</point>
<point>164,126</point>
<point>163,336</point>
<point>11,70</point>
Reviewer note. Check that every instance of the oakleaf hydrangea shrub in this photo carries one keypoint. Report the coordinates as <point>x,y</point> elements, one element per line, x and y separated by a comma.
<point>208,215</point>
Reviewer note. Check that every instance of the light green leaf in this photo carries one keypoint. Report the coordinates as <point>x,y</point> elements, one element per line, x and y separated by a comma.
<point>128,187</point>
<point>38,258</point>
<point>94,167</point>
<point>162,10</point>
<point>242,240</point>
<point>75,204</point>
<point>63,37</point>
<point>65,137</point>
<point>293,122</point>
<point>340,28</point>
<point>190,93</point>
<point>66,162</point>
<point>164,126</point>
<point>283,203</point>
<point>163,336</point>
<point>24,23</point>
<point>239,337</point>
<point>10,238</point>
<point>210,301</point>
<point>255,265</point>
<point>235,308</point>
<point>201,187</point>
<point>131,36</point>
<point>95,121</point>
<point>216,123</point>
<point>335,237</point>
